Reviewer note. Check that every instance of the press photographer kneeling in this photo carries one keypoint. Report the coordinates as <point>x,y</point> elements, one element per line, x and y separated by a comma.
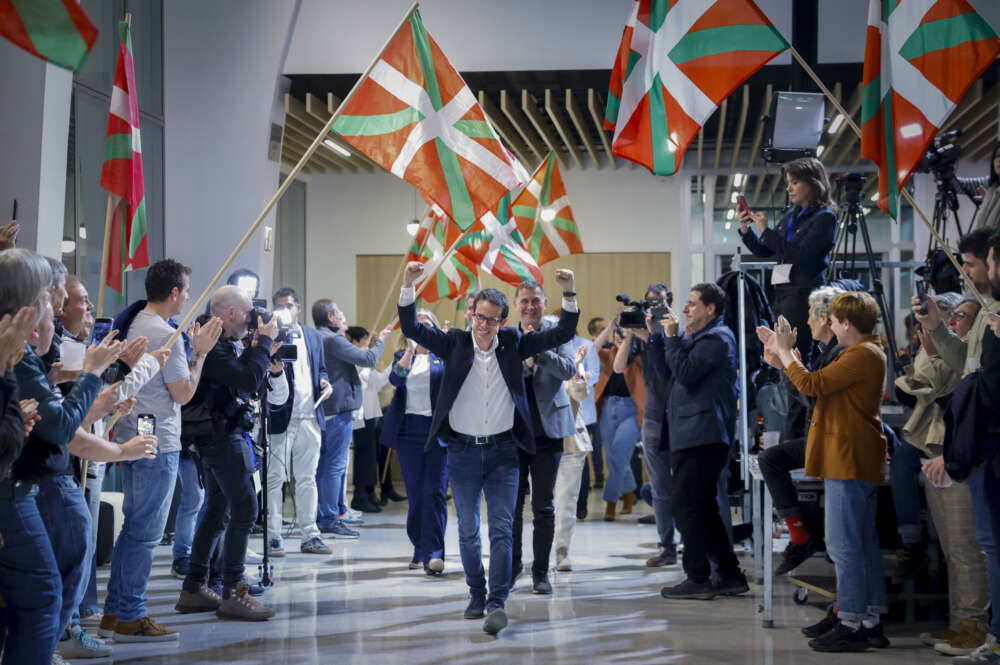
<point>231,377</point>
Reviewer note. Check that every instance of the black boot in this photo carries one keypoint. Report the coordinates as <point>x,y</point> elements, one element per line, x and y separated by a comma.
<point>388,491</point>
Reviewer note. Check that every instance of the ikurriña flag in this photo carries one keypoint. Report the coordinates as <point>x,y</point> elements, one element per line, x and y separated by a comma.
<point>677,61</point>
<point>544,217</point>
<point>55,30</point>
<point>921,56</point>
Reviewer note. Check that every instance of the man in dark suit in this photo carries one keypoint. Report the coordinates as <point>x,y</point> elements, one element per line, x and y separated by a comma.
<point>296,431</point>
<point>551,420</point>
<point>482,414</point>
<point>701,415</point>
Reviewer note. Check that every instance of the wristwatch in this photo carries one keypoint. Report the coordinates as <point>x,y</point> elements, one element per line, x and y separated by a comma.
<point>569,294</point>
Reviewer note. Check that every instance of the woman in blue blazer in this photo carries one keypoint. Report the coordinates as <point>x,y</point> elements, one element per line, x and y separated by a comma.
<point>801,243</point>
<point>416,374</point>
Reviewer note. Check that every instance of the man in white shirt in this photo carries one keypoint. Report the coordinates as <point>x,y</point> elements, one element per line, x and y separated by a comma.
<point>483,415</point>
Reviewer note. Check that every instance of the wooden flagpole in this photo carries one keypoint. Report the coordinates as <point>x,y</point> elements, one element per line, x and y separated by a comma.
<point>905,193</point>
<point>286,184</point>
<point>402,264</point>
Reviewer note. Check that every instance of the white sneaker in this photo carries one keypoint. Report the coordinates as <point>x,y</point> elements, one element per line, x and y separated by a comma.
<point>83,645</point>
<point>987,652</point>
<point>252,557</point>
<point>92,620</point>
<point>352,516</point>
<point>58,660</point>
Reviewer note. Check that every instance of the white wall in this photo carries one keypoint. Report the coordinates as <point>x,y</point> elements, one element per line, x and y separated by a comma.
<point>342,36</point>
<point>222,62</point>
<point>626,210</point>
<point>34,130</point>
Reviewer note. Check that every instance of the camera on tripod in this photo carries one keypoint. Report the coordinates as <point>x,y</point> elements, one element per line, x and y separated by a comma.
<point>942,154</point>
<point>636,317</point>
<point>260,314</point>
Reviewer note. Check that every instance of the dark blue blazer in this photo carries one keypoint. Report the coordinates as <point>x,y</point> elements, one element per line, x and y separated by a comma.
<point>809,249</point>
<point>392,419</point>
<point>455,348</point>
<point>279,416</point>
<point>702,405</point>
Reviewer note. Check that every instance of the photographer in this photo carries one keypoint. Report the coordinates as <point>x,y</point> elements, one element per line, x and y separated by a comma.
<point>988,214</point>
<point>801,242</point>
<point>232,375</point>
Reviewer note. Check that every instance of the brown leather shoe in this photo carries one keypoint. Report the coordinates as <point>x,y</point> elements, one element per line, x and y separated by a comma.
<point>108,623</point>
<point>143,630</point>
<point>240,605</point>
<point>609,511</point>
<point>628,500</point>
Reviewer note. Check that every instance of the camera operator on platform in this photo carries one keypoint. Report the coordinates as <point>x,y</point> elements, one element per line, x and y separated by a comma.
<point>801,243</point>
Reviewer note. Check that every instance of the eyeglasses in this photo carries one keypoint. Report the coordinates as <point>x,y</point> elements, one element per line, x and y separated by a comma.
<point>958,315</point>
<point>488,320</point>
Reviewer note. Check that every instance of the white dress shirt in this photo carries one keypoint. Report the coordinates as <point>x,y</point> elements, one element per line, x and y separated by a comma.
<point>302,402</point>
<point>418,385</point>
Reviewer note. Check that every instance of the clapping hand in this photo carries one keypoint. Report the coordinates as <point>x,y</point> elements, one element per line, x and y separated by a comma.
<point>99,357</point>
<point>133,351</point>
<point>29,414</point>
<point>14,332</point>
<point>785,335</point>
<point>204,337</point>
<point>8,235</point>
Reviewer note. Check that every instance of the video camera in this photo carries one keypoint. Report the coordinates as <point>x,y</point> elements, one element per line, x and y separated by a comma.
<point>636,317</point>
<point>941,154</point>
<point>260,314</point>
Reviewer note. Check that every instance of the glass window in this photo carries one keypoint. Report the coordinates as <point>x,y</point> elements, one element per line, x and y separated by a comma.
<point>697,268</point>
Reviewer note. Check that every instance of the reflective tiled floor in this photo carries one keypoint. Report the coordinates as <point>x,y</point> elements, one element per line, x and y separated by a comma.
<point>362,605</point>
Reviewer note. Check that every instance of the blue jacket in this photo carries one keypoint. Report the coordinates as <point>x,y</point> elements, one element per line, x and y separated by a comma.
<point>455,349</point>
<point>281,415</point>
<point>392,420</point>
<point>809,249</point>
<point>702,405</point>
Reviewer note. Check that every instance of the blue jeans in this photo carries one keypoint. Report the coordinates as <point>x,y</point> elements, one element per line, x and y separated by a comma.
<point>490,470</point>
<point>656,456</point>
<point>29,578</point>
<point>192,496</point>
<point>332,470</point>
<point>620,432</point>
<point>426,480</point>
<point>985,537</point>
<point>148,485</point>
<point>904,473</point>
<point>67,519</point>
<point>89,603</point>
<point>852,543</point>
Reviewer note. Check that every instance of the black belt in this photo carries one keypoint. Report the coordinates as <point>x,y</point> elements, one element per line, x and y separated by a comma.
<point>487,440</point>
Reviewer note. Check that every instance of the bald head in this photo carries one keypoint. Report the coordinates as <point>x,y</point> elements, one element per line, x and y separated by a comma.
<point>232,306</point>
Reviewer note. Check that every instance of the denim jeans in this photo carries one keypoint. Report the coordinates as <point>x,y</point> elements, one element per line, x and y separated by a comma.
<point>904,473</point>
<point>656,456</point>
<point>148,485</point>
<point>67,519</point>
<point>542,468</point>
<point>985,536</point>
<point>332,469</point>
<point>620,431</point>
<point>89,604</point>
<point>230,508</point>
<point>192,496</point>
<point>852,543</point>
<point>29,578</point>
<point>490,470</point>
<point>426,480</point>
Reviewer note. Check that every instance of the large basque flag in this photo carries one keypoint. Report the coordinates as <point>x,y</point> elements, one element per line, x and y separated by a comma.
<point>920,58</point>
<point>677,61</point>
<point>121,173</point>
<point>415,116</point>
<point>544,217</point>
<point>55,30</point>
<point>496,246</point>
<point>458,273</point>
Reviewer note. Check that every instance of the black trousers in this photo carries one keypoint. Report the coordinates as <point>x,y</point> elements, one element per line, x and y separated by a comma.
<point>365,463</point>
<point>594,431</point>
<point>776,465</point>
<point>230,508</point>
<point>542,468</point>
<point>696,511</point>
<point>792,302</point>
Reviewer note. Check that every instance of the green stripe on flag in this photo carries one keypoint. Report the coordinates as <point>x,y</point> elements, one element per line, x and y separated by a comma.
<point>663,159</point>
<point>463,213</point>
<point>611,111</point>
<point>525,211</point>
<point>888,6</point>
<point>889,137</point>
<point>475,129</point>
<point>443,285</point>
<point>946,33</point>
<point>118,146</point>
<point>564,224</point>
<point>871,99</point>
<point>545,196</point>
<point>633,59</point>
<point>517,265</point>
<point>658,13</point>
<point>421,42</point>
<point>52,31</point>
<point>373,125</point>
<point>138,228</point>
<point>726,39</point>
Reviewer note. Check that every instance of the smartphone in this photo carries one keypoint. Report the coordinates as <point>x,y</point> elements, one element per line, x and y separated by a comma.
<point>102,327</point>
<point>13,215</point>
<point>922,295</point>
<point>741,203</point>
<point>146,424</point>
<point>28,409</point>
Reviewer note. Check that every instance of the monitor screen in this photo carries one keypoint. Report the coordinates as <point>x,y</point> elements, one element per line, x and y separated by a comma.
<point>798,120</point>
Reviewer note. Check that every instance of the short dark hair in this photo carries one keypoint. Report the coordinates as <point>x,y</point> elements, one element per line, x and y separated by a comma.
<point>711,294</point>
<point>994,243</point>
<point>163,277</point>
<point>284,292</point>
<point>471,294</point>
<point>528,284</point>
<point>976,243</point>
<point>661,287</point>
<point>592,324</point>
<point>493,297</point>
<point>320,309</point>
<point>355,333</point>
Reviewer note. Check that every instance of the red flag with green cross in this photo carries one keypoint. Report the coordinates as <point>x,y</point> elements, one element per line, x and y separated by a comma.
<point>55,30</point>
<point>458,273</point>
<point>499,248</point>
<point>544,217</point>
<point>921,56</point>
<point>121,173</point>
<point>415,116</point>
<point>677,61</point>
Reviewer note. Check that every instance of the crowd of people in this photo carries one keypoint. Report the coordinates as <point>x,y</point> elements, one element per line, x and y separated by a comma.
<point>527,411</point>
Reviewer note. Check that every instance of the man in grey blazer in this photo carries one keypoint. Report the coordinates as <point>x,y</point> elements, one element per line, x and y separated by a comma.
<point>342,360</point>
<point>552,419</point>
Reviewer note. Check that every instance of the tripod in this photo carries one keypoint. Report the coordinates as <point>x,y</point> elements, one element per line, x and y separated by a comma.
<point>264,568</point>
<point>945,206</point>
<point>852,220</point>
